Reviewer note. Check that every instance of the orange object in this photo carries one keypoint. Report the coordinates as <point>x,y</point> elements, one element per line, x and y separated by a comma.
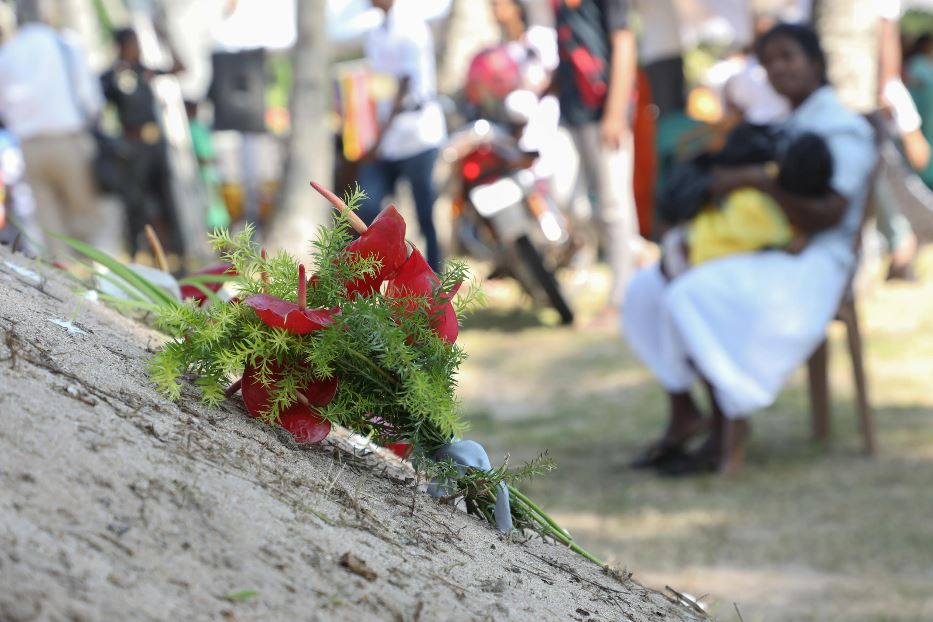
<point>456,206</point>
<point>645,167</point>
<point>358,109</point>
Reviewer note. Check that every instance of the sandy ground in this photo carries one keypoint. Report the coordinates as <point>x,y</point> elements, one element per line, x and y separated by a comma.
<point>116,504</point>
<point>809,532</point>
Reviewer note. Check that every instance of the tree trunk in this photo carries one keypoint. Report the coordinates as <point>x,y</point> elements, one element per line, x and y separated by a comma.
<point>310,155</point>
<point>848,30</point>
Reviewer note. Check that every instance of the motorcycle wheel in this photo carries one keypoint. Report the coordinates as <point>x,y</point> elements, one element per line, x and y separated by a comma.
<point>532,261</point>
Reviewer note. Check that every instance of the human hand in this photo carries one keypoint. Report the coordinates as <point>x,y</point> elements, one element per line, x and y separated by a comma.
<point>727,179</point>
<point>614,131</point>
<point>372,154</point>
<point>797,244</point>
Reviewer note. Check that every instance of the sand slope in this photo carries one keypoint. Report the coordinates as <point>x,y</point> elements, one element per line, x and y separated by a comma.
<point>116,504</point>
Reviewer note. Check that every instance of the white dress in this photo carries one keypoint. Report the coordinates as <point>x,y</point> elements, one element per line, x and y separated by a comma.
<point>745,322</point>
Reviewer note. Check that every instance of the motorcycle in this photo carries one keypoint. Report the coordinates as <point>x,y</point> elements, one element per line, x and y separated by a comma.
<point>503,213</point>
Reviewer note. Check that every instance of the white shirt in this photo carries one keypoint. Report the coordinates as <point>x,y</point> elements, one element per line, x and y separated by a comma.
<point>660,37</point>
<point>403,46</point>
<point>851,142</point>
<point>40,93</point>
<point>890,9</point>
<point>537,57</point>
<point>750,91</point>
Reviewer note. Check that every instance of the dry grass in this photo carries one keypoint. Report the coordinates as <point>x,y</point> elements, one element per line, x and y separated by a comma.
<point>806,533</point>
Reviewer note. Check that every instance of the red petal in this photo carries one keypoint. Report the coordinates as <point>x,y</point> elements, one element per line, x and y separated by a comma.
<point>190,291</point>
<point>283,314</point>
<point>385,239</point>
<point>446,324</point>
<point>402,450</point>
<point>306,428</point>
<point>321,392</point>
<point>416,278</point>
<point>303,422</point>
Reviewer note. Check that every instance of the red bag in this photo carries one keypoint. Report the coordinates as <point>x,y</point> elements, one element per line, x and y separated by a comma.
<point>584,51</point>
<point>588,72</point>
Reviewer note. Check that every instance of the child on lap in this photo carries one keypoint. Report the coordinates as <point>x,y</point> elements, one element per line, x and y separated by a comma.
<point>748,220</point>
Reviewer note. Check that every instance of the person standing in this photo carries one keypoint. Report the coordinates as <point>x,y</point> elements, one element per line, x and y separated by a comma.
<point>863,58</point>
<point>48,99</point>
<point>533,48</point>
<point>412,127</point>
<point>146,190</point>
<point>596,77</point>
<point>919,71</point>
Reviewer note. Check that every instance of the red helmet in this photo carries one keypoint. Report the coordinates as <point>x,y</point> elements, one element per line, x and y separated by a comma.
<point>493,74</point>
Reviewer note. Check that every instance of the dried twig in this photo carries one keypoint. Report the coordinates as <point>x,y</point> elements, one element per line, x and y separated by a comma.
<point>357,566</point>
<point>573,573</point>
<point>10,338</point>
<point>458,589</point>
<point>686,600</point>
<point>156,247</point>
<point>414,492</point>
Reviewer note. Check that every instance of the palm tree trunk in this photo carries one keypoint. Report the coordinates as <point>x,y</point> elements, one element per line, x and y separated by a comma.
<point>310,155</point>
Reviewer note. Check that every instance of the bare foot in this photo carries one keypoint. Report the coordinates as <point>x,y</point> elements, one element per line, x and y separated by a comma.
<point>734,440</point>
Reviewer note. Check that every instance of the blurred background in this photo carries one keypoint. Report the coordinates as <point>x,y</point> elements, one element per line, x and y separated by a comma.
<point>217,113</point>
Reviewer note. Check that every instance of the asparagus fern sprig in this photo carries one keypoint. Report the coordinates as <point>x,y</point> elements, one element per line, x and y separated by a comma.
<point>397,377</point>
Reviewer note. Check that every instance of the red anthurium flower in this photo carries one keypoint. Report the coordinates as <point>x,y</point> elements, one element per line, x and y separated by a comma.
<point>190,291</point>
<point>402,450</point>
<point>300,418</point>
<point>283,314</point>
<point>296,318</point>
<point>385,239</point>
<point>416,279</point>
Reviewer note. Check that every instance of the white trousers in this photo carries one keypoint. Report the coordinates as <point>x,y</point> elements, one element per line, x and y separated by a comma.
<point>608,175</point>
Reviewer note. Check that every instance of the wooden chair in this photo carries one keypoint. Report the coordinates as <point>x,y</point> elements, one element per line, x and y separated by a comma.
<point>818,364</point>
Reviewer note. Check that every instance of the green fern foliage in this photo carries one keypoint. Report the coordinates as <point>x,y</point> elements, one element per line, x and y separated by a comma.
<point>397,378</point>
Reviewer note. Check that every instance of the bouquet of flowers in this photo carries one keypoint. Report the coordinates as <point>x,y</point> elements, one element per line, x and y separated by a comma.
<point>368,342</point>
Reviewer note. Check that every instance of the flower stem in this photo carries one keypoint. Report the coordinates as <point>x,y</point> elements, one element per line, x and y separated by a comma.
<point>537,510</point>
<point>233,388</point>
<point>355,221</point>
<point>373,366</point>
<point>302,288</point>
<point>549,526</point>
<point>264,275</point>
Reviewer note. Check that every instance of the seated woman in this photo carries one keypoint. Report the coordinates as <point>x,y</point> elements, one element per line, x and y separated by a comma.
<point>744,322</point>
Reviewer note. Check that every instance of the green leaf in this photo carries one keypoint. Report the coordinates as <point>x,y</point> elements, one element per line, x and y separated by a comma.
<point>238,597</point>
<point>136,304</point>
<point>155,293</point>
<point>194,279</point>
<point>214,298</point>
<point>133,293</point>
